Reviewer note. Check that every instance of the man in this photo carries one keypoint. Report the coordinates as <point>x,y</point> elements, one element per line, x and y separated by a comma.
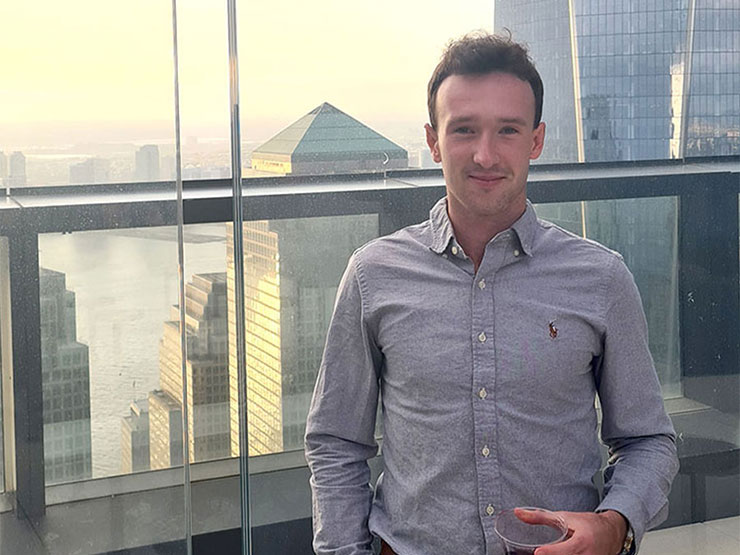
<point>488,333</point>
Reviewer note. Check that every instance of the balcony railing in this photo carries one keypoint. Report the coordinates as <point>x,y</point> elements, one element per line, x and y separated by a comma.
<point>678,220</point>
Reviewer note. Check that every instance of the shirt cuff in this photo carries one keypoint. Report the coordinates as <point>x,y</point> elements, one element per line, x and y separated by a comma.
<point>631,507</point>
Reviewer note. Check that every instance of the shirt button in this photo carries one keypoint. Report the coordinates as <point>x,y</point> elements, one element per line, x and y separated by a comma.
<point>482,337</point>
<point>454,249</point>
<point>489,510</point>
<point>482,393</point>
<point>516,252</point>
<point>485,451</point>
<point>482,284</point>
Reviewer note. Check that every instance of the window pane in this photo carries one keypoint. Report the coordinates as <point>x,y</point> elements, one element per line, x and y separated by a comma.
<point>644,232</point>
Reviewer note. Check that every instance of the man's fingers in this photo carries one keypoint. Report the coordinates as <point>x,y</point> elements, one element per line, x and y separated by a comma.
<point>530,516</point>
<point>567,547</point>
<point>537,516</point>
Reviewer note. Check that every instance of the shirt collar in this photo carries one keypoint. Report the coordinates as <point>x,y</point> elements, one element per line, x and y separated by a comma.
<point>442,232</point>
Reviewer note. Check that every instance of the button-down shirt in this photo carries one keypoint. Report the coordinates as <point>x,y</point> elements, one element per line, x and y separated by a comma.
<point>488,382</point>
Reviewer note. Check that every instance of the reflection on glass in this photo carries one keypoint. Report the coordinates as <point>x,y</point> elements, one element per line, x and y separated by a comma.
<point>292,270</point>
<point>644,232</point>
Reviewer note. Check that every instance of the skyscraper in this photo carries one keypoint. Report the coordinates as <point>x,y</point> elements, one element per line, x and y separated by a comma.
<point>135,438</point>
<point>66,384</point>
<point>147,163</point>
<point>17,170</point>
<point>3,167</point>
<point>92,170</point>
<point>207,378</point>
<point>165,430</point>
<point>326,140</point>
<point>291,272</point>
<point>640,79</point>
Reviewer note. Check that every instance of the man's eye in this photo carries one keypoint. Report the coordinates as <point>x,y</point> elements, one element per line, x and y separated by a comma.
<point>509,131</point>
<point>463,130</point>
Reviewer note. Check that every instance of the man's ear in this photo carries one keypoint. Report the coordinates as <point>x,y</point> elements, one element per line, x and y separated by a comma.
<point>538,141</point>
<point>433,143</point>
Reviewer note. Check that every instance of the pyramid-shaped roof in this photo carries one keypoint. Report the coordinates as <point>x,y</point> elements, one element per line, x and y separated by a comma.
<point>326,130</point>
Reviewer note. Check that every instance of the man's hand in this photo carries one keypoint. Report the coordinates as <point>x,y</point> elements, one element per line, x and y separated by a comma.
<point>588,533</point>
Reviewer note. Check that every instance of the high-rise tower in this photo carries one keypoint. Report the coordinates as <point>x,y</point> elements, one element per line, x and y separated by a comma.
<point>147,163</point>
<point>207,378</point>
<point>135,438</point>
<point>633,80</point>
<point>3,167</point>
<point>291,272</point>
<point>17,170</point>
<point>326,140</point>
<point>66,384</point>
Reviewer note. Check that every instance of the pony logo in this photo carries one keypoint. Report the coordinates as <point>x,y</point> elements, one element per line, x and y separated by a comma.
<point>553,330</point>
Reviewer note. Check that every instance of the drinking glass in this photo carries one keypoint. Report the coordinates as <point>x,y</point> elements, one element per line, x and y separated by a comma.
<point>522,538</point>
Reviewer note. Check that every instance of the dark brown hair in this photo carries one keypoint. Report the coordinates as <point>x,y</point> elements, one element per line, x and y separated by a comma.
<point>480,53</point>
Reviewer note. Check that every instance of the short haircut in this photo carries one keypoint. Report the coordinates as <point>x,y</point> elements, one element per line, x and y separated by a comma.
<point>481,53</point>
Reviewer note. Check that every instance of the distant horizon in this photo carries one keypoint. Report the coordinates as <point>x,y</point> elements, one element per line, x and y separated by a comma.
<point>56,135</point>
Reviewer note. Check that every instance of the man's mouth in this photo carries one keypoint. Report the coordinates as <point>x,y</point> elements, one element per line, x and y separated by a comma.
<point>486,179</point>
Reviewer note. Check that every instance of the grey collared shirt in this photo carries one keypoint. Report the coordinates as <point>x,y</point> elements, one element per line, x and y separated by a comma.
<point>488,381</point>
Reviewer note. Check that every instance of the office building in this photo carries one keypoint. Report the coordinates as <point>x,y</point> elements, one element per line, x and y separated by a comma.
<point>66,384</point>
<point>207,378</point>
<point>291,271</point>
<point>3,166</point>
<point>17,170</point>
<point>326,140</point>
<point>147,163</point>
<point>165,430</point>
<point>92,170</point>
<point>135,438</point>
<point>634,80</point>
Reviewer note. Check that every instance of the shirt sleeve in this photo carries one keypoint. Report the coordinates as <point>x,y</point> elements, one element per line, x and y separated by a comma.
<point>640,436</point>
<point>340,427</point>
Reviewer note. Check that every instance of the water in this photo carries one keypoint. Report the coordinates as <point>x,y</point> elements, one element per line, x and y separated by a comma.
<point>125,282</point>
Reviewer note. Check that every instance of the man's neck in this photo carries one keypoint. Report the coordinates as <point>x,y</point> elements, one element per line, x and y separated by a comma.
<point>473,236</point>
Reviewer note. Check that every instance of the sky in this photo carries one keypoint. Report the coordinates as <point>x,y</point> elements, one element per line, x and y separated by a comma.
<point>86,70</point>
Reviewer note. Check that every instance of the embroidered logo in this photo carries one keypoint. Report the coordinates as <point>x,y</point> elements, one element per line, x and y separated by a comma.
<point>553,330</point>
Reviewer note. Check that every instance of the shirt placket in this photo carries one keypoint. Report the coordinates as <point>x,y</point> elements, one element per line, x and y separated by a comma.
<point>484,382</point>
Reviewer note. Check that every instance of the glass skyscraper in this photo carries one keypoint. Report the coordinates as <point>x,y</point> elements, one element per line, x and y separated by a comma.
<point>633,80</point>
<point>66,383</point>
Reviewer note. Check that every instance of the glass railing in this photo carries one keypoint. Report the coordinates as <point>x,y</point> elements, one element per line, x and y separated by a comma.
<point>109,326</point>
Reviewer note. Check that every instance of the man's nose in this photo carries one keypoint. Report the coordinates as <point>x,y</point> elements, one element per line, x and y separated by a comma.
<point>486,153</point>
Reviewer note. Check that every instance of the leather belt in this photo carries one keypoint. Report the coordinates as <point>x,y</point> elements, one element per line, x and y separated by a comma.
<point>385,549</point>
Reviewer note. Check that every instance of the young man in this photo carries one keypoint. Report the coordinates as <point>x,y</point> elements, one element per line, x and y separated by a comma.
<point>489,333</point>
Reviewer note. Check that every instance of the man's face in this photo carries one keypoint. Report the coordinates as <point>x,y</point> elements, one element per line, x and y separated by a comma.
<point>485,140</point>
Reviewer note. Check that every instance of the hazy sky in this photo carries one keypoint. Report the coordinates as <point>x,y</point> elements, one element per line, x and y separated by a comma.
<point>77,67</point>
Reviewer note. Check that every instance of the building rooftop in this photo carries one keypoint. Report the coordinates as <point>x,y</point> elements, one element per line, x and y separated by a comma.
<point>328,130</point>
